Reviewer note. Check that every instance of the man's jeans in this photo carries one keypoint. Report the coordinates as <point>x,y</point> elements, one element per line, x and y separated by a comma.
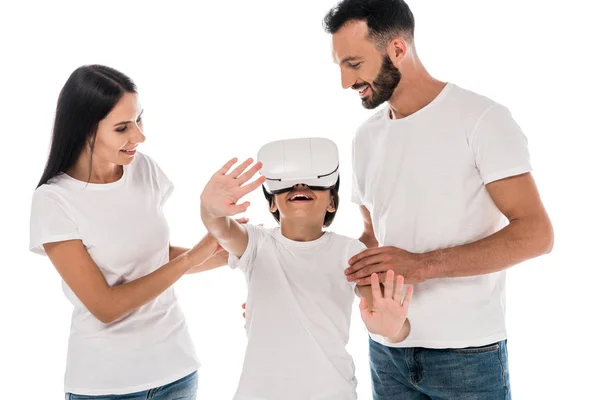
<point>474,373</point>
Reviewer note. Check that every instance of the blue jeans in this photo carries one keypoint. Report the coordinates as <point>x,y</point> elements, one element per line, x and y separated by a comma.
<point>185,388</point>
<point>415,373</point>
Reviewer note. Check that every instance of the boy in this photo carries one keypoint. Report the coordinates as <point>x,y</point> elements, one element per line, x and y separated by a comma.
<point>299,301</point>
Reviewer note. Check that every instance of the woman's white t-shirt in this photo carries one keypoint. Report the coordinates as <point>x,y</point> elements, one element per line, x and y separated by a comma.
<point>123,228</point>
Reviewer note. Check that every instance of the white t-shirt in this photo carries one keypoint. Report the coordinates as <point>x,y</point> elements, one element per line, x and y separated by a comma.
<point>423,180</point>
<point>123,228</point>
<point>297,317</point>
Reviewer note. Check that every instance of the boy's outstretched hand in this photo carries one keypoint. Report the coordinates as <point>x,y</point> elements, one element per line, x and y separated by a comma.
<point>387,316</point>
<point>222,192</point>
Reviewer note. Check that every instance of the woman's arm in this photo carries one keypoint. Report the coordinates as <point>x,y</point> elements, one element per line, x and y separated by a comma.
<point>82,275</point>
<point>175,252</point>
<point>218,259</point>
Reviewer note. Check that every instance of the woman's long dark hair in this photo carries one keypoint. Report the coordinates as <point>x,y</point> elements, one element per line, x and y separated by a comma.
<point>87,97</point>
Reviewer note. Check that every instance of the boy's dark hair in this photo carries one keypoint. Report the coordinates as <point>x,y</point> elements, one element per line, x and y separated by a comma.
<point>329,216</point>
<point>386,19</point>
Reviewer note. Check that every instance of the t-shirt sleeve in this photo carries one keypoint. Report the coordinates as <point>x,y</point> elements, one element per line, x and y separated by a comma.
<point>499,146</point>
<point>354,247</point>
<point>354,194</point>
<point>164,184</point>
<point>50,222</point>
<point>256,236</point>
<point>354,197</point>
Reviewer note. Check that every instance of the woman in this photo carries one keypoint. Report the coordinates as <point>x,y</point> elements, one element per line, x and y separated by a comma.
<point>97,214</point>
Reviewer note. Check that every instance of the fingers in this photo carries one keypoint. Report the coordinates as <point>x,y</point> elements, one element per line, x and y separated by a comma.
<point>407,297</point>
<point>356,269</point>
<point>375,290</point>
<point>240,168</point>
<point>398,289</point>
<point>367,281</point>
<point>253,185</point>
<point>239,208</point>
<point>227,166</point>
<point>363,305</point>
<point>367,270</point>
<point>365,253</point>
<point>243,178</point>
<point>388,289</point>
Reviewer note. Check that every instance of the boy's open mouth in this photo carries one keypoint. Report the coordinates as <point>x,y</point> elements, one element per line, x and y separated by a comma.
<point>300,196</point>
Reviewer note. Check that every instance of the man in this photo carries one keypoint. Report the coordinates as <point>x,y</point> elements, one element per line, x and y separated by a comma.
<point>437,172</point>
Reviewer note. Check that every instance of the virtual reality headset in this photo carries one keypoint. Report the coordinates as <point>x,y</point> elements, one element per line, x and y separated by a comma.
<point>310,161</point>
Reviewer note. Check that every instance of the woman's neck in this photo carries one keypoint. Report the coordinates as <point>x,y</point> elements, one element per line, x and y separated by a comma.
<point>100,171</point>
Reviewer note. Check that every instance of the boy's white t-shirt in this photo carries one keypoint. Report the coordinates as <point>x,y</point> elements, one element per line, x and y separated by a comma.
<point>297,317</point>
<point>123,228</point>
<point>423,180</point>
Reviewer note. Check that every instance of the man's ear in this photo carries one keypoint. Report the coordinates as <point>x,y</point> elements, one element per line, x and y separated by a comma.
<point>397,50</point>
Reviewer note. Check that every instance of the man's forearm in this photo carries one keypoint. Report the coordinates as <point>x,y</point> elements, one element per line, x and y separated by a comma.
<point>368,240</point>
<point>519,241</point>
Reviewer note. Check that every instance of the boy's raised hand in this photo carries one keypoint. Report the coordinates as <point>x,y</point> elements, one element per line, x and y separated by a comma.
<point>224,189</point>
<point>388,314</point>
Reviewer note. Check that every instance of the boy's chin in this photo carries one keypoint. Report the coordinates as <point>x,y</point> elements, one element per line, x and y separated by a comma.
<point>300,218</point>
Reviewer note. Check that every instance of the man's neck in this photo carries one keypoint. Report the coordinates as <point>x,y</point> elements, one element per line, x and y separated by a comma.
<point>416,90</point>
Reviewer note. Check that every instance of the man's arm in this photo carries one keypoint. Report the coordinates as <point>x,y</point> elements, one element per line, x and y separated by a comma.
<point>529,234</point>
<point>368,235</point>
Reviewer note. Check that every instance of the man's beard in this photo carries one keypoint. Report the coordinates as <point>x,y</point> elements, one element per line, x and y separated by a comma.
<point>384,84</point>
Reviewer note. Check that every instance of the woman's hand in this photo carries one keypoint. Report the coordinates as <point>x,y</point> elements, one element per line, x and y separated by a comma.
<point>219,258</point>
<point>203,250</point>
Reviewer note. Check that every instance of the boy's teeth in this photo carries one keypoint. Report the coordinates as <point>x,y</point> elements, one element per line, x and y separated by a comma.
<point>299,196</point>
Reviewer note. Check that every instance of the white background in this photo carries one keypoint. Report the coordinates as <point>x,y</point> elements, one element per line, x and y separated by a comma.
<point>218,79</point>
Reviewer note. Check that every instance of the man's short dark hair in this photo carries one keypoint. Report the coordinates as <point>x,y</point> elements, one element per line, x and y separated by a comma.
<point>386,19</point>
<point>329,216</point>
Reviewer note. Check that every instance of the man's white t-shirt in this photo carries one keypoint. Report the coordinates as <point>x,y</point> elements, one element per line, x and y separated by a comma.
<point>297,317</point>
<point>123,228</point>
<point>423,180</point>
